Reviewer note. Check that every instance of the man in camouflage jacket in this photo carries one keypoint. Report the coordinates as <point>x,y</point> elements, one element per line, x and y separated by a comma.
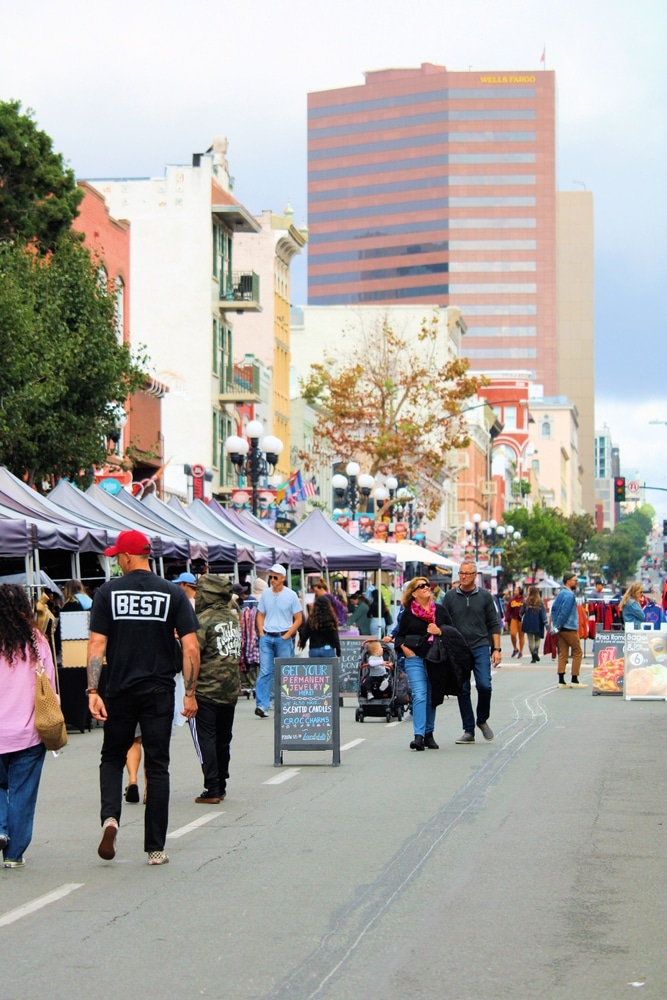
<point>219,638</point>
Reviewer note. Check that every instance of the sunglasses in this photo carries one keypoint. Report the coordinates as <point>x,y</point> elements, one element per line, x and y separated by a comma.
<point>275,578</point>
<point>422,586</point>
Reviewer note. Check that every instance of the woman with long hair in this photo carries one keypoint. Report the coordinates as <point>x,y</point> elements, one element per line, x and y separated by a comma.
<point>630,608</point>
<point>75,597</point>
<point>422,618</point>
<point>22,649</point>
<point>321,629</point>
<point>534,622</point>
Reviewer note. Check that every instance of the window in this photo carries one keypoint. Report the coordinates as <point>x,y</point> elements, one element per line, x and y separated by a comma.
<point>227,365</point>
<point>216,347</point>
<point>215,452</point>
<point>546,427</point>
<point>509,418</point>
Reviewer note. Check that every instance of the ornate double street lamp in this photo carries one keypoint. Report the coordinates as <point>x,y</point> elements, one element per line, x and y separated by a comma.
<point>353,489</point>
<point>492,533</point>
<point>474,528</point>
<point>402,502</point>
<point>253,459</point>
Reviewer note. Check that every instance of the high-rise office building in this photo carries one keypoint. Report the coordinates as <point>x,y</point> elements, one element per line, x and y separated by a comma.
<point>431,186</point>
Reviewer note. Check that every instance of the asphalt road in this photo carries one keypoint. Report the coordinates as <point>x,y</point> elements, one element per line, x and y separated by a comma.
<point>532,866</point>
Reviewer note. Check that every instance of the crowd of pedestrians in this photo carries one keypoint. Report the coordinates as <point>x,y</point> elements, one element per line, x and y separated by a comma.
<point>146,631</point>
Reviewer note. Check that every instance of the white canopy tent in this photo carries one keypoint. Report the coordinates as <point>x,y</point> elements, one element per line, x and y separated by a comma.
<point>406,552</point>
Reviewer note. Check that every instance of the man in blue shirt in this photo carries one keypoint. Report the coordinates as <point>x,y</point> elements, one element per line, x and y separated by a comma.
<point>565,621</point>
<point>278,619</point>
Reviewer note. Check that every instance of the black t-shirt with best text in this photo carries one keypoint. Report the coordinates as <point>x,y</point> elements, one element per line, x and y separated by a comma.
<point>139,613</point>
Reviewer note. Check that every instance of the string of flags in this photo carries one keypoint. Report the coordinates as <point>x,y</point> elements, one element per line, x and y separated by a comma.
<point>296,489</point>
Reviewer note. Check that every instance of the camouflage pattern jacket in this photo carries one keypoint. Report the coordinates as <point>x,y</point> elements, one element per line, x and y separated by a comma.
<point>219,638</point>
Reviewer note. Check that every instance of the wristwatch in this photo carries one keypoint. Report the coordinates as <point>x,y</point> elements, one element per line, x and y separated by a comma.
<point>91,690</point>
<point>496,649</point>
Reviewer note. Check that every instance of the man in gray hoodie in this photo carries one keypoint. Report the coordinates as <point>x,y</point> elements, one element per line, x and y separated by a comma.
<point>473,613</point>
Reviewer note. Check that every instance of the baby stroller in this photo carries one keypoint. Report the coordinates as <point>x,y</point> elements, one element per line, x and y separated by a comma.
<point>378,687</point>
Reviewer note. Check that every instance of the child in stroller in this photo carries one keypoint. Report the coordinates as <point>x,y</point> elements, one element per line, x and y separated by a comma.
<point>375,675</point>
<point>377,682</point>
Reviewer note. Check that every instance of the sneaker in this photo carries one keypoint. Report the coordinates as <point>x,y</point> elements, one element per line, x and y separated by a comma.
<point>261,713</point>
<point>132,793</point>
<point>4,840</point>
<point>158,858</point>
<point>487,731</point>
<point>576,683</point>
<point>206,798</point>
<point>107,845</point>
<point>466,738</point>
<point>515,652</point>
<point>563,686</point>
<point>429,742</point>
<point>13,864</point>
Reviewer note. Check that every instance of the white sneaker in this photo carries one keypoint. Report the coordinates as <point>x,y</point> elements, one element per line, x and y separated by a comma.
<point>158,858</point>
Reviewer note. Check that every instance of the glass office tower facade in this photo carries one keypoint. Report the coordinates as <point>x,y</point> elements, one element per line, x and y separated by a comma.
<point>431,186</point>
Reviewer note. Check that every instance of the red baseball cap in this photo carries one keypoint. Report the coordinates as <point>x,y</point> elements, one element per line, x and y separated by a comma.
<point>133,543</point>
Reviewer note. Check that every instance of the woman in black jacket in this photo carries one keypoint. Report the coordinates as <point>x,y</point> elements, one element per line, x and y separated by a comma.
<point>421,619</point>
<point>321,629</point>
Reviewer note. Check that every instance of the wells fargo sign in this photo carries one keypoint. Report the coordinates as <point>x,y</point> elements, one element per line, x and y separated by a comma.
<point>507,79</point>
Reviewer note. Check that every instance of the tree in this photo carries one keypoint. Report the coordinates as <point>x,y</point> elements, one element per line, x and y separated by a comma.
<point>545,541</point>
<point>396,402</point>
<point>38,196</point>
<point>62,365</point>
<point>580,528</point>
<point>622,548</point>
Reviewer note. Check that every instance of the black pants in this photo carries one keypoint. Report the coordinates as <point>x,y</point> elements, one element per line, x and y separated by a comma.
<point>152,707</point>
<point>211,731</point>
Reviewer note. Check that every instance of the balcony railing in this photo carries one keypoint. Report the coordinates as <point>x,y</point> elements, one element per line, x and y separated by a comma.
<point>242,293</point>
<point>244,387</point>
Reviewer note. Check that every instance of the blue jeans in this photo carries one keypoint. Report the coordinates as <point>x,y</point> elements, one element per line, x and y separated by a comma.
<point>270,647</point>
<point>327,652</point>
<point>423,713</point>
<point>482,671</point>
<point>20,771</point>
<point>152,706</point>
<point>373,625</point>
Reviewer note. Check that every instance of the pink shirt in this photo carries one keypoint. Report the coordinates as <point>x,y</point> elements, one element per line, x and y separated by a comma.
<point>17,699</point>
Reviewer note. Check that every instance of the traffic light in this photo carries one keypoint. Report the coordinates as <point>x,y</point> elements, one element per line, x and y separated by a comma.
<point>619,489</point>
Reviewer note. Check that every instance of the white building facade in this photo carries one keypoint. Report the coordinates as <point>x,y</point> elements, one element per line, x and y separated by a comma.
<point>186,292</point>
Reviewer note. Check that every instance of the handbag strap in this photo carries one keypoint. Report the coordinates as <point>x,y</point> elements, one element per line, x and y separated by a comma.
<point>40,668</point>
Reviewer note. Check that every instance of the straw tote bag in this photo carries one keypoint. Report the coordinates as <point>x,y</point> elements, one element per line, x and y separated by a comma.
<point>49,719</point>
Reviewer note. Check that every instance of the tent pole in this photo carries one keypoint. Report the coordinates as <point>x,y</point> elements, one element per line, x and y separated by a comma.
<point>28,570</point>
<point>162,566</point>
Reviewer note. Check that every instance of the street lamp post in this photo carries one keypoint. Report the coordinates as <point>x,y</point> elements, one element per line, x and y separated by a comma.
<point>473,528</point>
<point>491,532</point>
<point>402,501</point>
<point>253,458</point>
<point>353,488</point>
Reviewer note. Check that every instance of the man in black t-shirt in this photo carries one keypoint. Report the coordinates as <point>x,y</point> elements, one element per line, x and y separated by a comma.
<point>134,621</point>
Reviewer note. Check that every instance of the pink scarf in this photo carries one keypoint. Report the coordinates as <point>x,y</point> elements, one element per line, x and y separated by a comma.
<point>426,614</point>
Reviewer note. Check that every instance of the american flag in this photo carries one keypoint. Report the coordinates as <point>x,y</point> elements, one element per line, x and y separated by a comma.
<point>310,488</point>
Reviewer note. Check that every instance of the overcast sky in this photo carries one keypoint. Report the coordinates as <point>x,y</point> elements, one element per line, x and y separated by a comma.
<point>127,87</point>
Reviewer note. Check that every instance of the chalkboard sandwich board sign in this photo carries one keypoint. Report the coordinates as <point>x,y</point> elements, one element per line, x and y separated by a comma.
<point>306,706</point>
